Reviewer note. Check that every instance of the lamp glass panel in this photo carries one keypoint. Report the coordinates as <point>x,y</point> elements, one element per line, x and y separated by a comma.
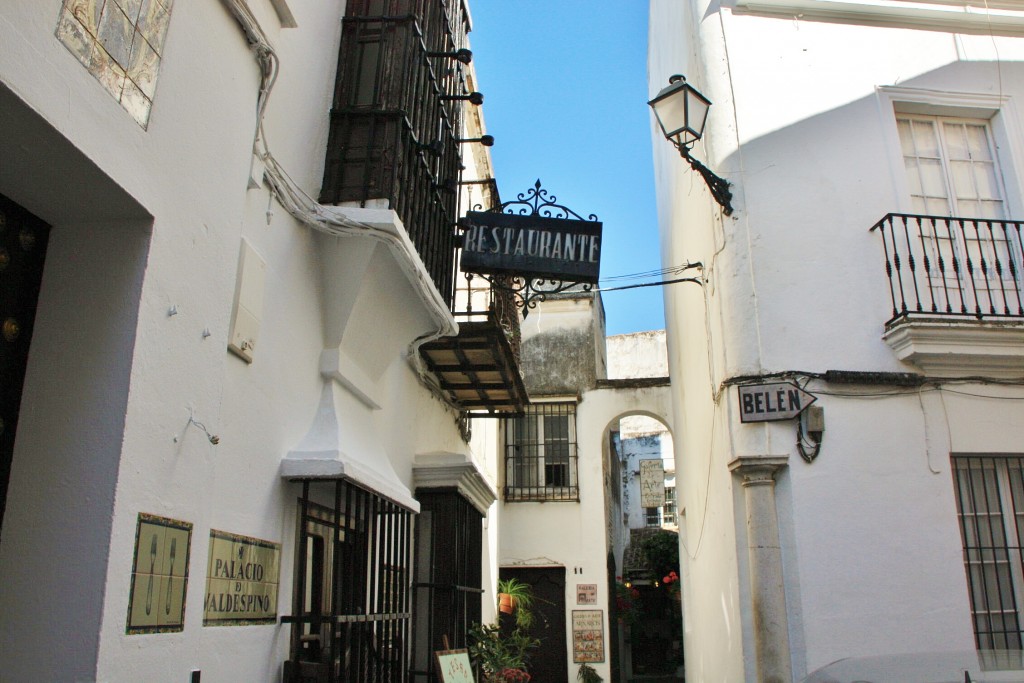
<point>697,115</point>
<point>671,113</point>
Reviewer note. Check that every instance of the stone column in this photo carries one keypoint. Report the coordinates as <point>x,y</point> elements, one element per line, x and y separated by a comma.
<point>768,594</point>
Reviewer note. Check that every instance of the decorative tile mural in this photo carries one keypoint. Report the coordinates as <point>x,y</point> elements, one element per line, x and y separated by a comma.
<point>121,43</point>
<point>156,601</point>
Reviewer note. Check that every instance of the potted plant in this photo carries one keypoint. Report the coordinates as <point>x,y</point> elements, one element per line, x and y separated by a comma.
<point>588,674</point>
<point>500,657</point>
<point>516,597</point>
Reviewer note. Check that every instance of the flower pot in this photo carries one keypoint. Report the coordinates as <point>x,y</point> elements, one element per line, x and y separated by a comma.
<point>506,603</point>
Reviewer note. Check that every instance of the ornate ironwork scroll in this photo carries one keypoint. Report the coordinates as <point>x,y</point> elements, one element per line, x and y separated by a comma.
<point>530,291</point>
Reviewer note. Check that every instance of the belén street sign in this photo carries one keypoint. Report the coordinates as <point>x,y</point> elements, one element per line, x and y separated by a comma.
<point>769,402</point>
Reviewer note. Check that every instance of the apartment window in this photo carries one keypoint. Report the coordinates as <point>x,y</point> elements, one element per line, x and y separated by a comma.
<point>951,166</point>
<point>952,170</point>
<point>668,511</point>
<point>652,517</point>
<point>990,507</point>
<point>540,454</point>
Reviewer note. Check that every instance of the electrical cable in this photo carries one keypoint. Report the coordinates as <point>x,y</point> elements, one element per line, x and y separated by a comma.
<point>650,284</point>
<point>328,220</point>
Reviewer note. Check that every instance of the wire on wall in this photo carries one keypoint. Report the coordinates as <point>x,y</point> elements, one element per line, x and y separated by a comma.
<point>308,211</point>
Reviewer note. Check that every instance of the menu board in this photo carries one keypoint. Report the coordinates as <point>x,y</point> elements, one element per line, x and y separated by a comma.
<point>587,635</point>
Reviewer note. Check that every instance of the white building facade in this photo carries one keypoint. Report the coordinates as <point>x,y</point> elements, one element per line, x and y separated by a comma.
<point>643,355</point>
<point>231,459</point>
<point>885,523</point>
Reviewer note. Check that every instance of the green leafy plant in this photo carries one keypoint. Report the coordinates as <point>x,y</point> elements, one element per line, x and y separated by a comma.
<point>500,657</point>
<point>661,553</point>
<point>521,596</point>
<point>588,674</point>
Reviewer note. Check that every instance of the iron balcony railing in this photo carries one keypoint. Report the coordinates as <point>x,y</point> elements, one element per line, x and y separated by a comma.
<point>953,266</point>
<point>476,300</point>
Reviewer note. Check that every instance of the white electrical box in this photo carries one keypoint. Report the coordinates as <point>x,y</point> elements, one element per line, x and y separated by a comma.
<point>247,310</point>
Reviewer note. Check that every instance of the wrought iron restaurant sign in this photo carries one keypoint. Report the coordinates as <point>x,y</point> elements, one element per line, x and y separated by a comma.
<point>532,246</point>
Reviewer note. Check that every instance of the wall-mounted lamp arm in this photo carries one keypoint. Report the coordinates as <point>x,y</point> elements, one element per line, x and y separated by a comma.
<point>719,187</point>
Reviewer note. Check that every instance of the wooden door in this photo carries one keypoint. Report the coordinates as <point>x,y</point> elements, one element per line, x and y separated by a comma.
<point>23,239</point>
<point>548,663</point>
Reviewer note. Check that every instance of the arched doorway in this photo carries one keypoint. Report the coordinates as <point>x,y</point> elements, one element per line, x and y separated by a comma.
<point>642,529</point>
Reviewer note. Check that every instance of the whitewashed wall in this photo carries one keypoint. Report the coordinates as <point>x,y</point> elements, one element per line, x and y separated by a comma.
<point>802,125</point>
<point>146,222</point>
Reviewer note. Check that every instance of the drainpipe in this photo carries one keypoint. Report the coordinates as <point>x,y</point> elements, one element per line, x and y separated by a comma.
<point>767,591</point>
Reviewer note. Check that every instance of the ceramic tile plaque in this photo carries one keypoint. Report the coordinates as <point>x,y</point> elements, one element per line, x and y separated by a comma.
<point>121,43</point>
<point>156,603</point>
<point>587,635</point>
<point>241,580</point>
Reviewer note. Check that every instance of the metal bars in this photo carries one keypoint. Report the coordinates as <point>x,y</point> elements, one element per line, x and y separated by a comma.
<point>351,612</point>
<point>448,576</point>
<point>952,267</point>
<point>990,505</point>
<point>393,132</point>
<point>540,454</point>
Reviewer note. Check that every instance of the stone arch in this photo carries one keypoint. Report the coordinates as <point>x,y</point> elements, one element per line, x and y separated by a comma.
<point>599,414</point>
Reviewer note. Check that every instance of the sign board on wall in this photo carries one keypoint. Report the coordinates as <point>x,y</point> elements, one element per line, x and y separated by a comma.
<point>587,635</point>
<point>652,483</point>
<point>532,246</point>
<point>241,580</point>
<point>770,402</point>
<point>156,603</point>
<point>586,593</point>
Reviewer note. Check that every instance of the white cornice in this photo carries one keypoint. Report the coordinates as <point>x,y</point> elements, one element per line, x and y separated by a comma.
<point>454,471</point>
<point>960,349</point>
<point>954,17</point>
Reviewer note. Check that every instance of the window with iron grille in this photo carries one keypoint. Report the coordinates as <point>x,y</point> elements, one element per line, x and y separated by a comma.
<point>652,517</point>
<point>351,604</point>
<point>396,119</point>
<point>540,454</point>
<point>449,538</point>
<point>668,511</point>
<point>990,506</point>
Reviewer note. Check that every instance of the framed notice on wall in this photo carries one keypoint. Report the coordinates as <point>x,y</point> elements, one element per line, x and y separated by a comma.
<point>588,635</point>
<point>453,666</point>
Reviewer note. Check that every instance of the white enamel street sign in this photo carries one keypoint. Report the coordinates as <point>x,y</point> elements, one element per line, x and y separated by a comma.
<point>768,402</point>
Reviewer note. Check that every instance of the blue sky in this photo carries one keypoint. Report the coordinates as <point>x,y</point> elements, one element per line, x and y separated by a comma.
<point>565,96</point>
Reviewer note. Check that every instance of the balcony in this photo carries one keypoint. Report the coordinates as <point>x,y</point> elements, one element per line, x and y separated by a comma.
<point>479,369</point>
<point>956,290</point>
<point>398,105</point>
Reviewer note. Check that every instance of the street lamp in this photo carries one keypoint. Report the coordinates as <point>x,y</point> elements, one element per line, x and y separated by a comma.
<point>682,112</point>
